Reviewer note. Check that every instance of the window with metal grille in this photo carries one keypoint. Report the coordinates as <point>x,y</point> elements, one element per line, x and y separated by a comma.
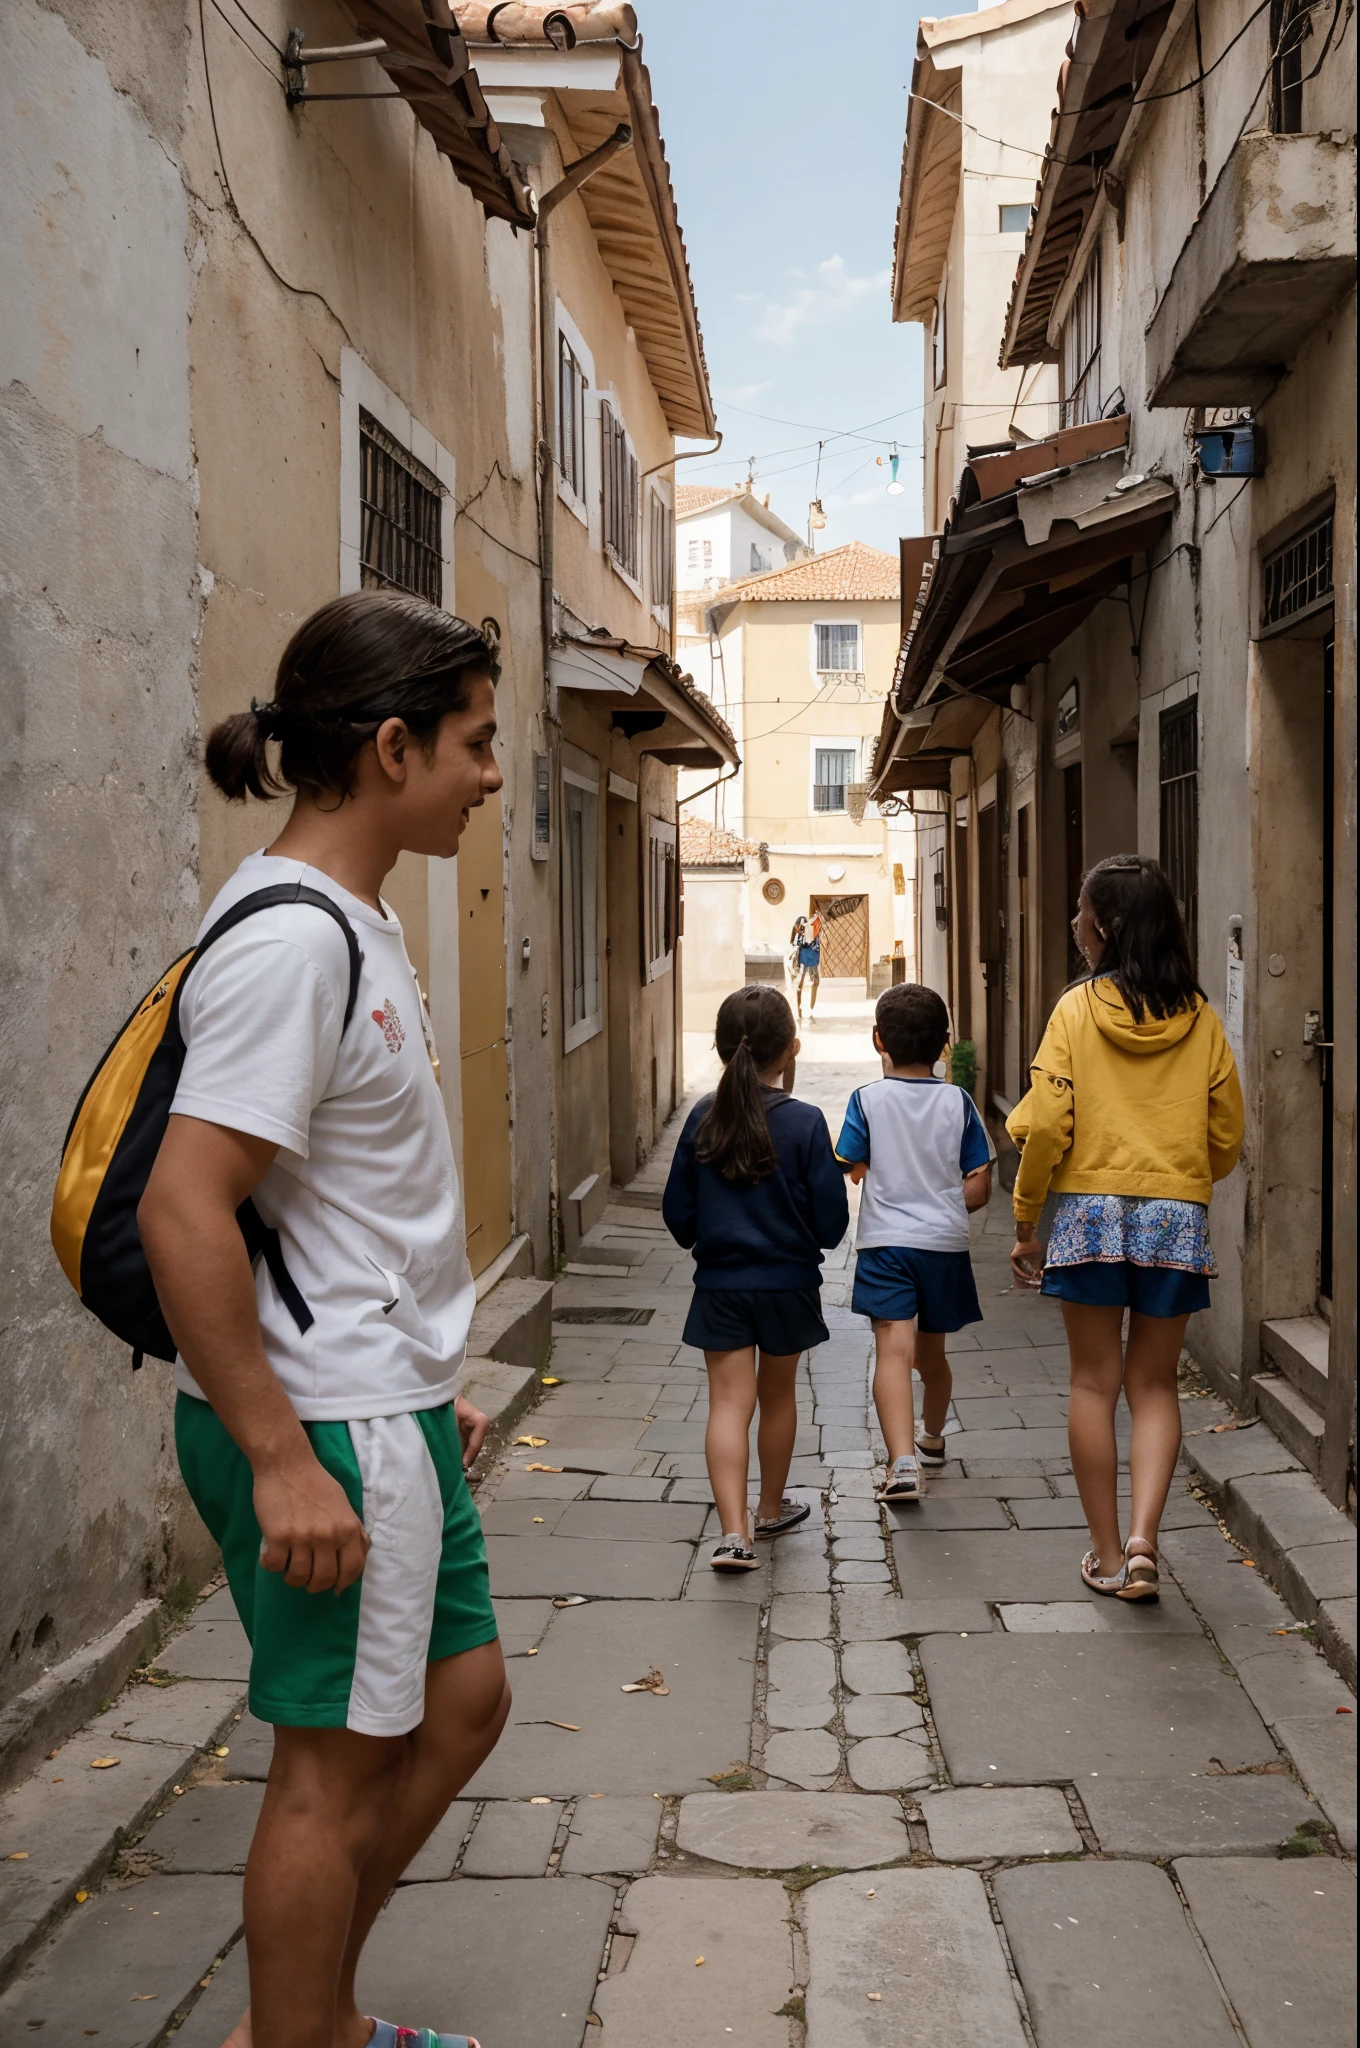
<point>581,1018</point>
<point>1081,350</point>
<point>1296,579</point>
<point>401,507</point>
<point>662,894</point>
<point>571,419</point>
<point>661,551</point>
<point>1290,27</point>
<point>832,769</point>
<point>838,650</point>
<point>1179,775</point>
<point>620,492</point>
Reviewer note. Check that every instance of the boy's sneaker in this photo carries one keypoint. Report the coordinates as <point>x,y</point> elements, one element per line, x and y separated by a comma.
<point>734,1554</point>
<point>791,1513</point>
<point>931,1455</point>
<point>903,1482</point>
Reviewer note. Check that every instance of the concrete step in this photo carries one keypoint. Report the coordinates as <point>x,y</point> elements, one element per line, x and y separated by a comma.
<point>513,1323</point>
<point>1292,1417</point>
<point>1297,1348</point>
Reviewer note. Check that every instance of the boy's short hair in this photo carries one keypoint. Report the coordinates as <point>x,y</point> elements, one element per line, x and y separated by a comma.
<point>912,1023</point>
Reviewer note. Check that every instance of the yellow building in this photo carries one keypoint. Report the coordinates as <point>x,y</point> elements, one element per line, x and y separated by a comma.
<point>797,661</point>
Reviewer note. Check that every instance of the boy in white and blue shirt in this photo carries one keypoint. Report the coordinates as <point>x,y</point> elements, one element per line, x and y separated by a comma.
<point>924,1157</point>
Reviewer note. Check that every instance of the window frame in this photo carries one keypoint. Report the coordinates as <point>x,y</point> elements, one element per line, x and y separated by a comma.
<point>1005,206</point>
<point>837,743</point>
<point>661,896</point>
<point>362,391</point>
<point>580,799</point>
<point>1178,816</point>
<point>571,373</point>
<point>620,494</point>
<point>820,626</point>
<point>1080,348</point>
<point>660,555</point>
<point>939,334</point>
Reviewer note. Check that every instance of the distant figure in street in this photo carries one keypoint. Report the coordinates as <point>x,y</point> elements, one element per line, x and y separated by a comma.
<point>923,1155</point>
<point>755,1191</point>
<point>318,1422</point>
<point>1134,1111</point>
<point>805,959</point>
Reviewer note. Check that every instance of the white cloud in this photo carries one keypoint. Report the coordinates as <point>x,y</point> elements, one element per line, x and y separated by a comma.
<point>828,298</point>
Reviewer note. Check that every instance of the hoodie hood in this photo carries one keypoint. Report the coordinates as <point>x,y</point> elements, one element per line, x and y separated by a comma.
<point>1114,1021</point>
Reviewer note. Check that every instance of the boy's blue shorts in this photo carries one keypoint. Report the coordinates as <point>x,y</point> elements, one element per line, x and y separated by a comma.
<point>1119,1283</point>
<point>936,1290</point>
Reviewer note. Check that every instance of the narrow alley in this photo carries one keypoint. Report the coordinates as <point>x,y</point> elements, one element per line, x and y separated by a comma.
<point>909,1781</point>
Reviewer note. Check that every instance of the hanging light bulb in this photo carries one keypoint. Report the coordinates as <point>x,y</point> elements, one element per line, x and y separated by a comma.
<point>895,489</point>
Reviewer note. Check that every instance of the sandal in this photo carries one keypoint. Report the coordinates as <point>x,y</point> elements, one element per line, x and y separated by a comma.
<point>734,1554</point>
<point>1140,1571</point>
<point>791,1513</point>
<point>1091,1575</point>
<point>932,1452</point>
<point>902,1483</point>
<point>385,2035</point>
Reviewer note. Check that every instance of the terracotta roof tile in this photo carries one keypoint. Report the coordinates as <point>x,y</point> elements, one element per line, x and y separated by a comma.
<point>705,845</point>
<point>843,574</point>
<point>698,497</point>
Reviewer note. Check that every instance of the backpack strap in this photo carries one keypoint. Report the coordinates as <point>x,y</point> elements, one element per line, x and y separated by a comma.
<point>269,899</point>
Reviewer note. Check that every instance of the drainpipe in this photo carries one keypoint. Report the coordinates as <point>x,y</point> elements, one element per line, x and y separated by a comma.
<point>585,167</point>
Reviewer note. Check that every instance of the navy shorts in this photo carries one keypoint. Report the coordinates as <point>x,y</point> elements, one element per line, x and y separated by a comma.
<point>936,1290</point>
<point>1119,1283</point>
<point>780,1322</point>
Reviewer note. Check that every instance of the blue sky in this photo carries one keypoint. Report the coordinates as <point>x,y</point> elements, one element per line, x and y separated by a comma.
<point>784,137</point>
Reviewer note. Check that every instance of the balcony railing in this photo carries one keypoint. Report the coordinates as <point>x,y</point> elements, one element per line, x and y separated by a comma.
<point>828,796</point>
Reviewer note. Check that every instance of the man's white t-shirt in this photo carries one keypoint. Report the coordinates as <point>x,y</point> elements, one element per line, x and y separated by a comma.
<point>363,1190</point>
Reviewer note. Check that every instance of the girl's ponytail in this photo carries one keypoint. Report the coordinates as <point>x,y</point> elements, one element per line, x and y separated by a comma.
<point>237,757</point>
<point>755,1027</point>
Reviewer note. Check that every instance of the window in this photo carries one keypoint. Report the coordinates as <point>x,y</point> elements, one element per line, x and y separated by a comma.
<point>761,559</point>
<point>1297,578</point>
<point>662,895</point>
<point>1179,776</point>
<point>1290,27</point>
<point>1013,220</point>
<point>832,769</point>
<point>571,419</point>
<point>400,513</point>
<point>838,650</point>
<point>581,1010</point>
<point>701,556</point>
<point>661,550</point>
<point>620,493</point>
<point>1081,350</point>
<point>940,336</point>
<point>540,845</point>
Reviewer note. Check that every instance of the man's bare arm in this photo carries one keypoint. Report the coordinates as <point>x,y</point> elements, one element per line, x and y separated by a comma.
<point>206,1289</point>
<point>977,1188</point>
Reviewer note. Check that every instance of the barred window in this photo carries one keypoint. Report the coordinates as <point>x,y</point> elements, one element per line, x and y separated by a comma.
<point>662,552</point>
<point>1081,350</point>
<point>832,769</point>
<point>1179,777</point>
<point>620,492</point>
<point>571,419</point>
<point>1297,578</point>
<point>401,510</point>
<point>838,650</point>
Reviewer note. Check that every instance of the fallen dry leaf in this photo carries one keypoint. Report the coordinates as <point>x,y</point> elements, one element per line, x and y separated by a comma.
<point>531,1653</point>
<point>543,1468</point>
<point>1343,1710</point>
<point>699,1961</point>
<point>81,1898</point>
<point>570,1600</point>
<point>593,2020</point>
<point>141,1997</point>
<point>222,1750</point>
<point>876,1996</point>
<point>573,1727</point>
<point>103,1763</point>
<point>538,1518</point>
<point>535,1443</point>
<point>540,1799</point>
<point>550,1379</point>
<point>18,1856</point>
<point>653,1682</point>
<point>868,1895</point>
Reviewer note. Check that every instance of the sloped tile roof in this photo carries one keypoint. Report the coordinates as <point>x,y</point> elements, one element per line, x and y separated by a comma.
<point>698,497</point>
<point>705,845</point>
<point>852,572</point>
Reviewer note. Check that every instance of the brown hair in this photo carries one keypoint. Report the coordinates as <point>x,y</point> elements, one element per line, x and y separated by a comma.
<point>912,1023</point>
<point>361,659</point>
<point>1147,948</point>
<point>754,1027</point>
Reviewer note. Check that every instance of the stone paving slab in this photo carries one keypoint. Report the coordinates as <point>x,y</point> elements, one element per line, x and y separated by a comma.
<point>251,1746</point>
<point>802,1678</point>
<point>806,1616</point>
<point>983,1511</point>
<point>1323,1751</point>
<point>1236,1455</point>
<point>926,1945</point>
<point>440,1853</point>
<point>986,1564</point>
<point>217,2009</point>
<point>1204,1816</point>
<point>619,1400</point>
<point>207,1829</point>
<point>790,1830</point>
<point>874,1617</point>
<point>1018,1710</point>
<point>882,1713</point>
<point>1282,1938</point>
<point>952,1485</point>
<point>877,1667</point>
<point>664,1994</point>
<point>628,1742</point>
<point>1289,1679</point>
<point>804,1756</point>
<point>513,1839</point>
<point>622,1521</point>
<point>1101,1614</point>
<point>890,1763</point>
<point>216,1648</point>
<point>627,1489</point>
<point>522,1623</point>
<point>123,1962</point>
<point>612,1835</point>
<point>510,1960</point>
<point>604,1571</point>
<point>1105,1956</point>
<point>978,1824</point>
<point>195,1712</point>
<point>984,1445</point>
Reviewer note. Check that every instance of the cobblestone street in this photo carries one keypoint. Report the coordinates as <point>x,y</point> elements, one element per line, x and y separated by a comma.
<point>909,1781</point>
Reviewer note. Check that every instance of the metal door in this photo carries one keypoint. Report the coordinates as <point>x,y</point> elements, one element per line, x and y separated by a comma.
<point>845,936</point>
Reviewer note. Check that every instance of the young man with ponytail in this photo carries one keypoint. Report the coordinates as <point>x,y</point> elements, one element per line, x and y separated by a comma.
<point>755,1191</point>
<point>318,1421</point>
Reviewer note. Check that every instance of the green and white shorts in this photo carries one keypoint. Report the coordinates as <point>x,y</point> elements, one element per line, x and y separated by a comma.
<point>354,1659</point>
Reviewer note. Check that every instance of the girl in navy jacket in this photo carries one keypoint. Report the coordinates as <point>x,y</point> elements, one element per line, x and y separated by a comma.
<point>756,1193</point>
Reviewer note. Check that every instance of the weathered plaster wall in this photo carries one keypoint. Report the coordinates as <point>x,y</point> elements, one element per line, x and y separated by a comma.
<point>99,625</point>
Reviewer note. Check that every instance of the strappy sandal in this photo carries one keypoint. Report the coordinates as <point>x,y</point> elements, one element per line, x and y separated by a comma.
<point>385,2035</point>
<point>734,1554</point>
<point>791,1513</point>
<point>932,1452</point>
<point>1091,1575</point>
<point>1140,1571</point>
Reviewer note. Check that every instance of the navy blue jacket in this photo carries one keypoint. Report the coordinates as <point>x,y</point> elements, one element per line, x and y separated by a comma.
<point>770,1235</point>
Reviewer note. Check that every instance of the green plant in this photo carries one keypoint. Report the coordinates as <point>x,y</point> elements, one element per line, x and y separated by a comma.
<point>963,1064</point>
<point>1310,1838</point>
<point>792,2009</point>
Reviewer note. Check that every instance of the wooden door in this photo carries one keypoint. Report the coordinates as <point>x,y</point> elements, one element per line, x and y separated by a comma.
<point>845,936</point>
<point>485,1078</point>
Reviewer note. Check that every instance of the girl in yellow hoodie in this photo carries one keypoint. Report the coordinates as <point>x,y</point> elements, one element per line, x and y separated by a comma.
<point>1134,1111</point>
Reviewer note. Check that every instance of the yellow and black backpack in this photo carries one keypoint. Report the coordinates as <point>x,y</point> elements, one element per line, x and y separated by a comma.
<point>113,1138</point>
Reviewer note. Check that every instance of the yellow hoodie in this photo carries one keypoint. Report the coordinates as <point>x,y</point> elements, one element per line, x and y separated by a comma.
<point>1118,1108</point>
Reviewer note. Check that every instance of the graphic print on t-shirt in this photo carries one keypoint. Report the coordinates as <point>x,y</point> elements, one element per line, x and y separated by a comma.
<point>391,1025</point>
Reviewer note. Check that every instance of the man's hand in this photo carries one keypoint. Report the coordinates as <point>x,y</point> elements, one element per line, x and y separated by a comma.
<point>1027,1257</point>
<point>856,1173</point>
<point>308,1529</point>
<point>472,1428</point>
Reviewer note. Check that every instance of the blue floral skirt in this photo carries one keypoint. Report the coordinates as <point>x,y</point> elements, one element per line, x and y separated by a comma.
<point>1130,1251</point>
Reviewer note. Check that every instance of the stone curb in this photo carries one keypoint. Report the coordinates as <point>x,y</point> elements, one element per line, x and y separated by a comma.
<point>71,1691</point>
<point>1306,1546</point>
